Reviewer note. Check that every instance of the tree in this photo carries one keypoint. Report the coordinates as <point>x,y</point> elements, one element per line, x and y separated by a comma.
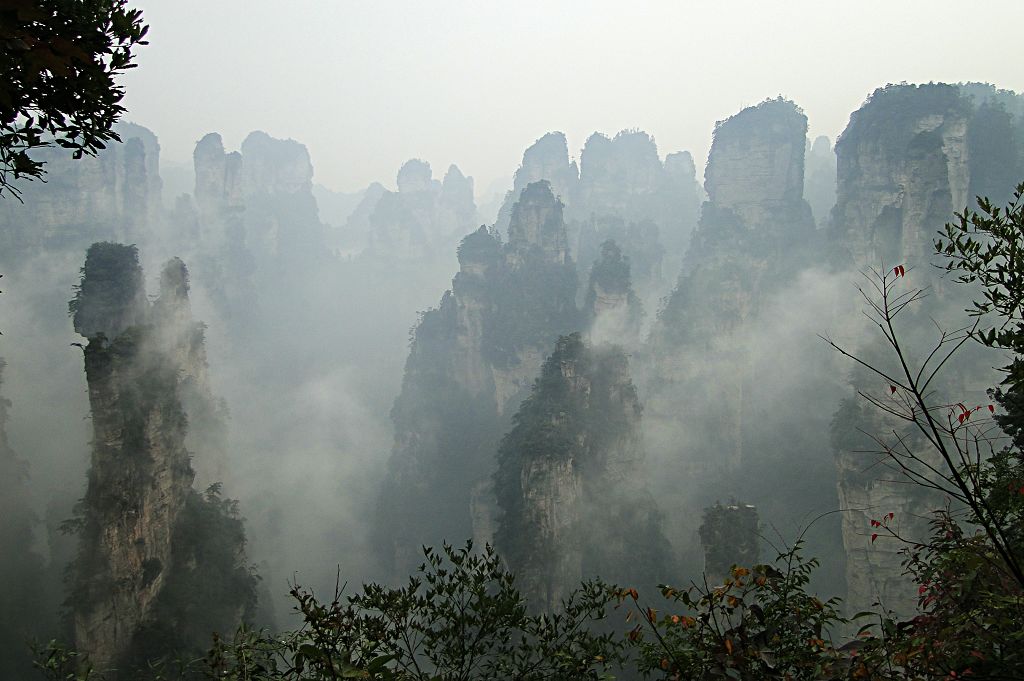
<point>58,63</point>
<point>760,623</point>
<point>970,569</point>
<point>460,618</point>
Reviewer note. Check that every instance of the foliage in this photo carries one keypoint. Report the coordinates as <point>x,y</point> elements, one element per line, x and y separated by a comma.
<point>887,115</point>
<point>529,306</point>
<point>611,273</point>
<point>59,62</point>
<point>779,117</point>
<point>969,620</point>
<point>210,586</point>
<point>56,662</point>
<point>460,618</point>
<point>760,623</point>
<point>109,290</point>
<point>480,247</point>
<point>987,247</point>
<point>726,533</point>
<point>969,570</point>
<point>570,442</point>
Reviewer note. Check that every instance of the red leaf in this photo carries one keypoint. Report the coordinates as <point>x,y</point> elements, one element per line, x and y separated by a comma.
<point>892,390</point>
<point>991,409</point>
<point>891,515</point>
<point>874,537</point>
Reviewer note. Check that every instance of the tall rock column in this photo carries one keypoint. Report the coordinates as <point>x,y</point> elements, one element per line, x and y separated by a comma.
<point>756,232</point>
<point>699,375</point>
<point>472,359</point>
<point>728,535</point>
<point>905,165</point>
<point>569,480</point>
<point>140,475</point>
<point>150,546</point>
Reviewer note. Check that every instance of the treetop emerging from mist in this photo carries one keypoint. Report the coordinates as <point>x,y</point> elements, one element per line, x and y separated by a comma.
<point>58,64</point>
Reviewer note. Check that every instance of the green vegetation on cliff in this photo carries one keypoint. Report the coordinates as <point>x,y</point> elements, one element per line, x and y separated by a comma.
<point>568,483</point>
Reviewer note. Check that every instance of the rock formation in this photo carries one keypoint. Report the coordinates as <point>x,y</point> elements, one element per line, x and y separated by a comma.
<point>282,221</point>
<point>620,191</point>
<point>704,392</point>
<point>256,221</point>
<point>218,176</point>
<point>424,217</point>
<point>472,359</point>
<point>910,157</point>
<point>754,233</point>
<point>546,159</point>
<point>113,195</point>
<point>902,171</point>
<point>568,480</point>
<point>820,179</point>
<point>148,580</point>
<point>729,536</point>
<point>614,313</point>
<point>357,228</point>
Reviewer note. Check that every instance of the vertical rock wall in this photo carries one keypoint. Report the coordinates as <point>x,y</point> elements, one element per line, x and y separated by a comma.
<point>729,536</point>
<point>140,475</point>
<point>622,191</point>
<point>113,195</point>
<point>910,157</point>
<point>140,361</point>
<point>472,359</point>
<point>424,217</point>
<point>704,396</point>
<point>568,484</point>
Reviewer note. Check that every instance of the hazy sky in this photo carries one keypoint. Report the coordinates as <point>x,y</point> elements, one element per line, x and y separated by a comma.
<point>366,85</point>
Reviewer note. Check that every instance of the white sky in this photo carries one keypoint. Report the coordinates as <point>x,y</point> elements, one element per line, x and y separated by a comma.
<point>369,84</point>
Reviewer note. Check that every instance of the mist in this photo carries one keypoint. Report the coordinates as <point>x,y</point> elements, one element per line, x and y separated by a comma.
<point>428,256</point>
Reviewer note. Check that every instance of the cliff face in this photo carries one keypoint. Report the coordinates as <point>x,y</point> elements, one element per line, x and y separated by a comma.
<point>424,216</point>
<point>282,221</point>
<point>182,340</point>
<point>255,220</point>
<point>218,175</point>
<point>140,475</point>
<point>114,195</point>
<point>705,371</point>
<point>546,159</point>
<point>755,232</point>
<point>614,312</point>
<point>470,359</point>
<point>729,536</point>
<point>820,180</point>
<point>902,171</point>
<point>138,359</point>
<point>910,157</point>
<point>571,504</point>
<point>620,191</point>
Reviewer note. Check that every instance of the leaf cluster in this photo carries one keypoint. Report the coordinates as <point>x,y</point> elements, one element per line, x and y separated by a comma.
<point>59,60</point>
<point>760,623</point>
